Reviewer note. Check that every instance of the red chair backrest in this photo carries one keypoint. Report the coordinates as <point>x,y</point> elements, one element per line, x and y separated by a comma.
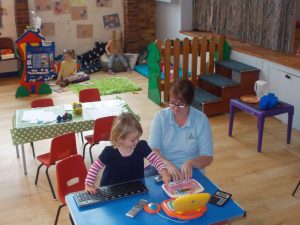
<point>42,102</point>
<point>70,174</point>
<point>89,95</point>
<point>62,147</point>
<point>102,128</point>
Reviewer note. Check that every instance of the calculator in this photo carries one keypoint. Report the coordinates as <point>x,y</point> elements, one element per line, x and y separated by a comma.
<point>219,198</point>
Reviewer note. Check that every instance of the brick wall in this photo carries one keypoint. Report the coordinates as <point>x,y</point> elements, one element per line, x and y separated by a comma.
<point>21,15</point>
<point>139,24</point>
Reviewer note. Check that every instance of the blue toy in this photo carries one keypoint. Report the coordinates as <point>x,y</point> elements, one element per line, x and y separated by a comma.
<point>268,101</point>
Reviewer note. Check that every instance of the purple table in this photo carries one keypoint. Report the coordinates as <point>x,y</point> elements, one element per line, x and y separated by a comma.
<point>253,109</point>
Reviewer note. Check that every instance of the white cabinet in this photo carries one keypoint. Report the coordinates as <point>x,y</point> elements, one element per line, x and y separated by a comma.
<point>286,86</point>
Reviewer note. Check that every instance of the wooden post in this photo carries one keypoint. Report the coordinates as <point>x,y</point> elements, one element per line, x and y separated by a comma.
<point>185,63</point>
<point>203,49</point>
<point>211,54</point>
<point>167,59</point>
<point>194,59</point>
<point>220,47</point>
<point>176,49</point>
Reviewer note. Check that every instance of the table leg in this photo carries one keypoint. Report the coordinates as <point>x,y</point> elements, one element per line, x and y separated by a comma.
<point>24,159</point>
<point>261,121</point>
<point>231,117</point>
<point>17,150</point>
<point>289,128</point>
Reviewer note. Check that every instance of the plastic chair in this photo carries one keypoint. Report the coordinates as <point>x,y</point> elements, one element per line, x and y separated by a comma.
<point>102,128</point>
<point>61,147</point>
<point>42,102</point>
<point>296,188</point>
<point>69,169</point>
<point>89,95</point>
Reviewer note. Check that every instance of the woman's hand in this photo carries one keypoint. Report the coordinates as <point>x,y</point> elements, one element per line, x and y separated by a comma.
<point>173,171</point>
<point>187,169</point>
<point>166,177</point>
<point>90,189</point>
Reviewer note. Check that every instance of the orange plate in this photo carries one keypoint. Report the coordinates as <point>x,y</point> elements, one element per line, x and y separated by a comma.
<point>252,99</point>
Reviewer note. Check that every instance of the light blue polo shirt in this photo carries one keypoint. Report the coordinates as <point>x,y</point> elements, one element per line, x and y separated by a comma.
<point>179,144</point>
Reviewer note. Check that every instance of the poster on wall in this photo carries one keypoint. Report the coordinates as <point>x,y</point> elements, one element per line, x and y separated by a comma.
<point>79,13</point>
<point>43,5</point>
<point>104,3</point>
<point>84,30</point>
<point>48,29</point>
<point>77,3</point>
<point>111,21</point>
<point>61,6</point>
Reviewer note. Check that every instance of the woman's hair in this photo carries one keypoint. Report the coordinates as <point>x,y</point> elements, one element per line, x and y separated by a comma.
<point>125,124</point>
<point>117,39</point>
<point>69,52</point>
<point>183,90</point>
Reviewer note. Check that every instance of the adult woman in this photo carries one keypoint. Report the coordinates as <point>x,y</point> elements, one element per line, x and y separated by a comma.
<point>181,134</point>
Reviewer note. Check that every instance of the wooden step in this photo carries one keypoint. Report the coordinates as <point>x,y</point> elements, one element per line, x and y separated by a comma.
<point>218,80</point>
<point>207,102</point>
<point>236,66</point>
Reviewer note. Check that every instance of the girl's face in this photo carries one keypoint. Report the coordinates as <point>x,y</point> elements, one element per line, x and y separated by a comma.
<point>130,141</point>
<point>67,57</point>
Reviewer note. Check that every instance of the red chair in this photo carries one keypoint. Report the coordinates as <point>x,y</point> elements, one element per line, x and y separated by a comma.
<point>69,169</point>
<point>61,147</point>
<point>89,95</point>
<point>102,128</point>
<point>42,102</point>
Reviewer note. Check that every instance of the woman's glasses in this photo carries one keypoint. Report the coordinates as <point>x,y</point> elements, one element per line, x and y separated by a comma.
<point>179,105</point>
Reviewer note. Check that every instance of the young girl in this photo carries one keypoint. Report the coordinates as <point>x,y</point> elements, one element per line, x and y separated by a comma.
<point>124,161</point>
<point>114,49</point>
<point>68,70</point>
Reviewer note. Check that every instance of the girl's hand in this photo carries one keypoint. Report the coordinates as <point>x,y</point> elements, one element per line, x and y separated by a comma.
<point>90,189</point>
<point>166,177</point>
<point>57,81</point>
<point>187,170</point>
<point>173,171</point>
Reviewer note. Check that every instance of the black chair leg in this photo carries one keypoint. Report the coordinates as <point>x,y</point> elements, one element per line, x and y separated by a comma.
<point>71,219</point>
<point>58,213</point>
<point>91,155</point>
<point>81,133</point>
<point>32,147</point>
<point>294,192</point>
<point>50,184</point>
<point>83,152</point>
<point>37,174</point>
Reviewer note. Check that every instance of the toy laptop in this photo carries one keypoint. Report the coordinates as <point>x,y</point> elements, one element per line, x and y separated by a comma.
<point>178,189</point>
<point>186,207</point>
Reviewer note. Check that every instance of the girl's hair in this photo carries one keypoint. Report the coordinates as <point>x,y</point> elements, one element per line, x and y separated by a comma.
<point>183,90</point>
<point>117,39</point>
<point>125,124</point>
<point>69,52</point>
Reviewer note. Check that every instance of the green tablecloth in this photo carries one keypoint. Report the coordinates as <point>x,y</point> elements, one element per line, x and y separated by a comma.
<point>24,132</point>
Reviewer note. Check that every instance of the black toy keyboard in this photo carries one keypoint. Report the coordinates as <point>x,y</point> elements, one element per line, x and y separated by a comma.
<point>107,193</point>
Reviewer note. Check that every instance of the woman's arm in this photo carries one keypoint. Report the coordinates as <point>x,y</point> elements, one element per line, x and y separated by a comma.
<point>107,47</point>
<point>199,162</point>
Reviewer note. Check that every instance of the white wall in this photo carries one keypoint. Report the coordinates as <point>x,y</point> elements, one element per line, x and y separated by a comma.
<point>65,28</point>
<point>172,17</point>
<point>8,21</point>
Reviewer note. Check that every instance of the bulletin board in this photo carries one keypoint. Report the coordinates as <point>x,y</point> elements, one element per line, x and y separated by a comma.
<point>111,21</point>
<point>48,29</point>
<point>43,5</point>
<point>79,13</point>
<point>84,30</point>
<point>61,6</point>
<point>104,3</point>
<point>40,61</point>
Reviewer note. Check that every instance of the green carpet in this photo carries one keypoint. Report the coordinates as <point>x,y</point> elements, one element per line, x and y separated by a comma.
<point>107,86</point>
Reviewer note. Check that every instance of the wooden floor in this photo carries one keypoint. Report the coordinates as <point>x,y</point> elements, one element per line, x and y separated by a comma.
<point>260,183</point>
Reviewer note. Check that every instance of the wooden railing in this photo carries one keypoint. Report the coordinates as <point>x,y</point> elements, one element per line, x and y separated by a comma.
<point>173,50</point>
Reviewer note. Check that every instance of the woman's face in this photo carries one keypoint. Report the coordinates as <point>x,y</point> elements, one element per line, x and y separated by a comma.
<point>178,107</point>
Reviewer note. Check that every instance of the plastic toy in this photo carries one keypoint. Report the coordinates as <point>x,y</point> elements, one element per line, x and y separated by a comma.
<point>64,118</point>
<point>38,63</point>
<point>186,207</point>
<point>77,108</point>
<point>177,189</point>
